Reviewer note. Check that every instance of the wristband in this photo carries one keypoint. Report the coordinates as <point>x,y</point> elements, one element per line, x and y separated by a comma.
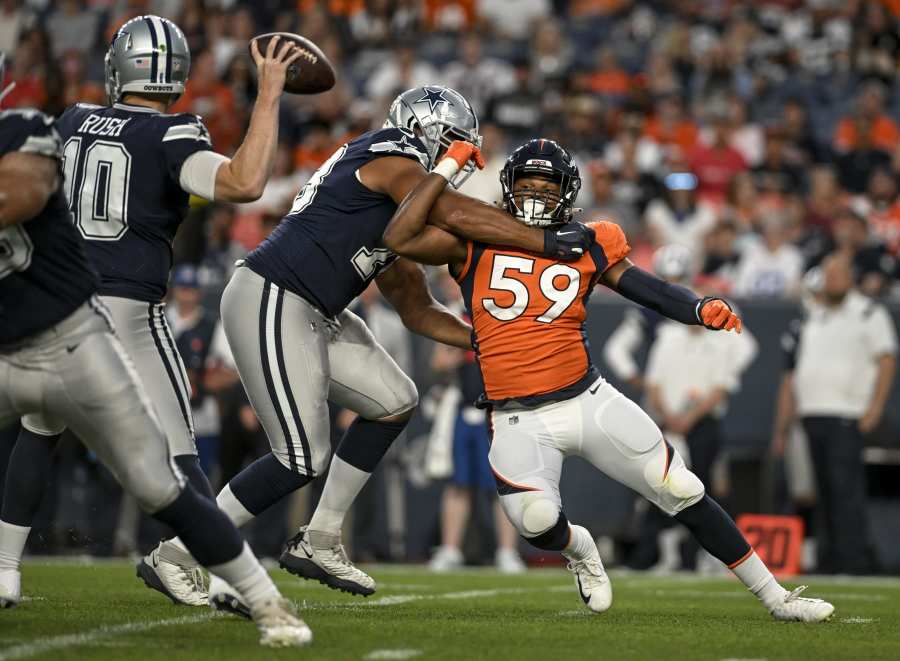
<point>447,168</point>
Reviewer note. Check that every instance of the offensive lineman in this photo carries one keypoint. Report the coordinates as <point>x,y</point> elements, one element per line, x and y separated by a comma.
<point>128,171</point>
<point>60,358</point>
<point>547,400</point>
<point>296,345</point>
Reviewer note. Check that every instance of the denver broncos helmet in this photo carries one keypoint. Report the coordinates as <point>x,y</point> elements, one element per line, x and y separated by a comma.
<point>543,159</point>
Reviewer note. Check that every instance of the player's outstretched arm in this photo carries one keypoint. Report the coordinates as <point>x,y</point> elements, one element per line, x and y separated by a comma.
<point>243,178</point>
<point>409,234</point>
<point>471,219</point>
<point>26,183</point>
<point>672,301</point>
<point>405,288</point>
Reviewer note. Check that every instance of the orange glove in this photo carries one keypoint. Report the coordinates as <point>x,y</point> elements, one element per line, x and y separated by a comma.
<point>462,152</point>
<point>716,314</point>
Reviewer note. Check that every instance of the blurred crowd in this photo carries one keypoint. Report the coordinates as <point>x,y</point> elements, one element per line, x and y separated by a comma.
<point>763,136</point>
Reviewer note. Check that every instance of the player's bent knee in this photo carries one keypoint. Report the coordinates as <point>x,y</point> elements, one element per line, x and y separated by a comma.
<point>539,514</point>
<point>681,490</point>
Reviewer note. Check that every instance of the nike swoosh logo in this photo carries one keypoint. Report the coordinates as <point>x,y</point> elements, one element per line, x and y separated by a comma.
<point>566,233</point>
<point>596,388</point>
<point>305,552</point>
<point>585,598</point>
<point>72,348</point>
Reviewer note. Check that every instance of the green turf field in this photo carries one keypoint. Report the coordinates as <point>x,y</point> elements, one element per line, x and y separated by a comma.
<point>102,612</point>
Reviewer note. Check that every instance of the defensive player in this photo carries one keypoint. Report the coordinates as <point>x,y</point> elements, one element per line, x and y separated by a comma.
<point>60,358</point>
<point>296,345</point>
<point>547,400</point>
<point>128,171</point>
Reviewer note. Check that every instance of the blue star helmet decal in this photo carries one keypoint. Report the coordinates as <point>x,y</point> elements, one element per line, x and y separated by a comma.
<point>432,97</point>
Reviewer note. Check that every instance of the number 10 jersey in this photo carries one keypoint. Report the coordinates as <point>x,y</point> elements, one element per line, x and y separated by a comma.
<point>528,315</point>
<point>122,166</point>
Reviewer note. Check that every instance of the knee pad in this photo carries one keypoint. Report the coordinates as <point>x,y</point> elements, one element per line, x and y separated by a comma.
<point>406,397</point>
<point>675,485</point>
<point>539,515</point>
<point>152,492</point>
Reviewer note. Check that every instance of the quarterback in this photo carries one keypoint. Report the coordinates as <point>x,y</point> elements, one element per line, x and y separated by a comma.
<point>546,399</point>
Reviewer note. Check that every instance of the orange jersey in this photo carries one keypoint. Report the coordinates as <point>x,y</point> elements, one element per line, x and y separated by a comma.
<point>528,316</point>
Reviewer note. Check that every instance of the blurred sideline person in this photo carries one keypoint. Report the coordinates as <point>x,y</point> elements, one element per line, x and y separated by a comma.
<point>546,400</point>
<point>841,372</point>
<point>60,358</point>
<point>690,376</point>
<point>471,470</point>
<point>297,346</point>
<point>129,169</point>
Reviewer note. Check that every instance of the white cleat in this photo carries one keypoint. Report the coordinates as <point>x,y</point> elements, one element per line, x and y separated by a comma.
<point>320,556</point>
<point>223,597</point>
<point>795,608</point>
<point>592,582</point>
<point>507,561</point>
<point>279,625</point>
<point>10,588</point>
<point>175,574</point>
<point>446,559</point>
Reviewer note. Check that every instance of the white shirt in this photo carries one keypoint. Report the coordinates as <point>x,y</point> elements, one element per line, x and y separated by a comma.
<point>762,272</point>
<point>837,357</point>
<point>687,232</point>
<point>513,18</point>
<point>687,363</point>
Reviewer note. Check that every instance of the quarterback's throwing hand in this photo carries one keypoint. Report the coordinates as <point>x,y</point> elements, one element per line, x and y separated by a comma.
<point>462,152</point>
<point>272,67</point>
<point>716,314</point>
<point>570,241</point>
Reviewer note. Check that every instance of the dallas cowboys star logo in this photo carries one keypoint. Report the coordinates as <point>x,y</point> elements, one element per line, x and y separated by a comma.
<point>432,97</point>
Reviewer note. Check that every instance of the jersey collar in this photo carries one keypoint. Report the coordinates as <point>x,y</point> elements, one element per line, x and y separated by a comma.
<point>132,108</point>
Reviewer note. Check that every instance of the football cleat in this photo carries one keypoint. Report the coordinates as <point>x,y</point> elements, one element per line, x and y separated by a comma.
<point>10,588</point>
<point>795,608</point>
<point>175,574</point>
<point>279,625</point>
<point>223,597</point>
<point>592,582</point>
<point>446,559</point>
<point>320,556</point>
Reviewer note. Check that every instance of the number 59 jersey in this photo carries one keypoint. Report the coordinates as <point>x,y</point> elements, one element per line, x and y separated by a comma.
<point>528,317</point>
<point>328,248</point>
<point>122,166</point>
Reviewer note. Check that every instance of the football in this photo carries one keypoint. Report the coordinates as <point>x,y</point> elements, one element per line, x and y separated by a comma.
<point>311,73</point>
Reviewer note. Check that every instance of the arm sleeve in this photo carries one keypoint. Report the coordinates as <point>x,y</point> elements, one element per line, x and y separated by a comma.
<point>198,173</point>
<point>672,301</point>
<point>181,140</point>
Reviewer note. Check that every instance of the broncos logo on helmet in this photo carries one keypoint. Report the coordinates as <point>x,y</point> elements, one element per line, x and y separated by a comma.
<point>542,159</point>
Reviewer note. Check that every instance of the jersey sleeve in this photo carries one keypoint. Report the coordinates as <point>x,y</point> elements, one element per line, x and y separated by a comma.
<point>184,136</point>
<point>30,132</point>
<point>610,246</point>
<point>397,142</point>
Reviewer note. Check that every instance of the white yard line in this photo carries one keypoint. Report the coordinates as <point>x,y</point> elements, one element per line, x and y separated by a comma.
<point>393,654</point>
<point>43,645</point>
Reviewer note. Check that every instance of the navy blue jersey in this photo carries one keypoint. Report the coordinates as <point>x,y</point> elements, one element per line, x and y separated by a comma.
<point>328,248</point>
<point>122,165</point>
<point>44,272</point>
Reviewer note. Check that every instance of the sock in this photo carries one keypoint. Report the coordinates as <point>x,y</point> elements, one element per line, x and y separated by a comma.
<point>556,538</point>
<point>359,453</point>
<point>259,486</point>
<point>247,576</point>
<point>232,507</point>
<point>27,476</point>
<point>715,531</point>
<point>581,544</point>
<point>759,580</point>
<point>203,528</point>
<point>12,545</point>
